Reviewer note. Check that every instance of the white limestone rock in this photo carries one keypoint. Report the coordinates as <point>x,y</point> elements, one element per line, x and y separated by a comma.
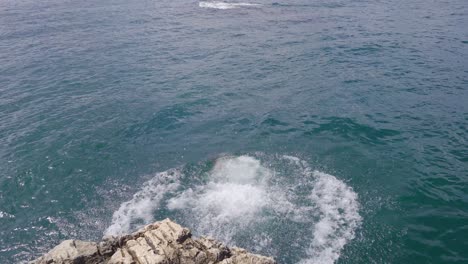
<point>163,242</point>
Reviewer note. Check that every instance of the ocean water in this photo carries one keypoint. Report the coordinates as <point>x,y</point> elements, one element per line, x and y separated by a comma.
<point>313,131</point>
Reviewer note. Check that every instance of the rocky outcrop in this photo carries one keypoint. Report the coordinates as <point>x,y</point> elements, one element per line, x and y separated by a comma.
<point>163,242</point>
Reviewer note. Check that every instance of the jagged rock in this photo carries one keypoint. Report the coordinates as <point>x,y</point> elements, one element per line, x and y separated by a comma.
<point>240,255</point>
<point>163,242</point>
<point>72,252</point>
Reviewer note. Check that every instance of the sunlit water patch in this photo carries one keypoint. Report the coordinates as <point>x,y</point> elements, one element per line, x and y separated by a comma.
<point>276,205</point>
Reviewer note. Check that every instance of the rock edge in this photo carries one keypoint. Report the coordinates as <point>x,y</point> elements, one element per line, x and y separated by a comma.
<point>163,242</point>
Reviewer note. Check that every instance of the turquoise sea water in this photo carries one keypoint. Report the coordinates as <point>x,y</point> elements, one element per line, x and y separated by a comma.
<point>314,131</point>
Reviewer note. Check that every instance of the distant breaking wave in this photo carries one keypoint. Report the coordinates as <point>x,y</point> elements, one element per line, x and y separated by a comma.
<point>276,205</point>
<point>224,5</point>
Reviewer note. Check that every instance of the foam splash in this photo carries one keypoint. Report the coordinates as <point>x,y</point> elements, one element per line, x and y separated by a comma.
<point>242,201</point>
<point>224,5</point>
<point>141,206</point>
<point>339,218</point>
<point>234,195</point>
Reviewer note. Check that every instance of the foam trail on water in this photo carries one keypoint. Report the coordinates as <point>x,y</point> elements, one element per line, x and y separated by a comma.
<point>142,205</point>
<point>224,5</point>
<point>339,218</point>
<point>338,208</point>
<point>259,202</point>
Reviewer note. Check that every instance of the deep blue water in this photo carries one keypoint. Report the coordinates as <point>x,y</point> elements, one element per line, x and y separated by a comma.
<point>97,97</point>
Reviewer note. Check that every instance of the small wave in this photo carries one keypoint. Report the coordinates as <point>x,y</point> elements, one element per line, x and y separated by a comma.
<point>224,5</point>
<point>6,215</point>
<point>248,201</point>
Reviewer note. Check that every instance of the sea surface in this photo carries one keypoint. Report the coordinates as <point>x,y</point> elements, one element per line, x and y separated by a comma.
<point>314,131</point>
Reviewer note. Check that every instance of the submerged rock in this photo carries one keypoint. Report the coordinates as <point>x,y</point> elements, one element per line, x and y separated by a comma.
<point>163,242</point>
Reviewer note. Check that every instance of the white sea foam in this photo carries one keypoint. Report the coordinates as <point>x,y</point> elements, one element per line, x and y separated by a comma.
<point>6,215</point>
<point>235,195</point>
<point>339,218</point>
<point>143,203</point>
<point>241,200</point>
<point>224,5</point>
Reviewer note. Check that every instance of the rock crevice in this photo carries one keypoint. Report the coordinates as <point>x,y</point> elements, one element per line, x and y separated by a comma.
<point>163,242</point>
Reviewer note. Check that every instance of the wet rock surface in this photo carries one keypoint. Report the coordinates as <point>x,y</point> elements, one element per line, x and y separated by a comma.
<point>163,242</point>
